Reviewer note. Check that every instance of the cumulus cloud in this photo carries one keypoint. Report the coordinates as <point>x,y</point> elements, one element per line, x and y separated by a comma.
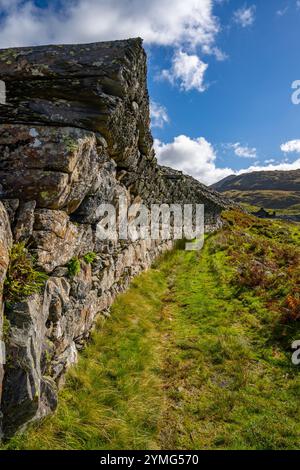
<point>190,23</point>
<point>197,157</point>
<point>187,70</point>
<point>245,16</point>
<point>243,151</point>
<point>291,146</point>
<point>282,166</point>
<point>159,115</point>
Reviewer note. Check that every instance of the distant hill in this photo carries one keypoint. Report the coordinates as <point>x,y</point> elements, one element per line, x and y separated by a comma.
<point>269,189</point>
<point>272,180</point>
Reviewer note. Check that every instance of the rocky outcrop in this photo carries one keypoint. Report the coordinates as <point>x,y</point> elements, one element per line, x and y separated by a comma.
<point>74,135</point>
<point>99,87</point>
<point>5,245</point>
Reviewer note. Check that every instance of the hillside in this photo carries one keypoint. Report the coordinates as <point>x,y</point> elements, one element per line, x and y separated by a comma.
<point>203,356</point>
<point>268,189</point>
<point>267,198</point>
<point>261,180</point>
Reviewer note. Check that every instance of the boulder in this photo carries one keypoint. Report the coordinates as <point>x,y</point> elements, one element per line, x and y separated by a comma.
<point>56,167</point>
<point>99,87</point>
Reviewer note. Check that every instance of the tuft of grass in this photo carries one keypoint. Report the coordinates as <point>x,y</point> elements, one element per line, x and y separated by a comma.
<point>22,279</point>
<point>74,267</point>
<point>90,257</point>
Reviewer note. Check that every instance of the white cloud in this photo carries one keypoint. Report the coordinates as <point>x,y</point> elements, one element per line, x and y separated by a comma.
<point>218,53</point>
<point>158,114</point>
<point>187,70</point>
<point>283,11</point>
<point>291,146</point>
<point>245,16</point>
<point>284,166</point>
<point>161,22</point>
<point>197,158</point>
<point>298,3</point>
<point>243,151</point>
<point>187,25</point>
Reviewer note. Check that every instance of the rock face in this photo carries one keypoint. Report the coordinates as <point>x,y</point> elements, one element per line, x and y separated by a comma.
<point>99,87</point>
<point>74,135</point>
<point>5,245</point>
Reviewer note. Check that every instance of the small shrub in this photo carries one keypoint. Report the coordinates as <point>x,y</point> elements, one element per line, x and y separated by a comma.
<point>292,307</point>
<point>89,258</point>
<point>74,267</point>
<point>22,279</point>
<point>251,274</point>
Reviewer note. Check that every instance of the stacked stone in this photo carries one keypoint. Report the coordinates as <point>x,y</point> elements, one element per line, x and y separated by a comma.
<point>74,134</point>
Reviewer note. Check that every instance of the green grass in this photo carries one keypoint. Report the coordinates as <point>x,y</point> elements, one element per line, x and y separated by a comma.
<point>90,257</point>
<point>74,267</point>
<point>112,397</point>
<point>191,358</point>
<point>23,278</point>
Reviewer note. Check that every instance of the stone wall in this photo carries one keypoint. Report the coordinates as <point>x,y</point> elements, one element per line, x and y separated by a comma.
<point>74,134</point>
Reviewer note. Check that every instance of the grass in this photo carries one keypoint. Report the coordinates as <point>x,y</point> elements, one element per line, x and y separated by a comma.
<point>112,396</point>
<point>74,267</point>
<point>90,257</point>
<point>22,279</point>
<point>192,357</point>
<point>290,210</point>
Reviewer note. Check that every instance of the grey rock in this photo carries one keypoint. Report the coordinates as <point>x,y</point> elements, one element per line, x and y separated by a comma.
<point>56,167</point>
<point>24,221</point>
<point>55,239</point>
<point>22,399</point>
<point>5,245</point>
<point>11,206</point>
<point>90,86</point>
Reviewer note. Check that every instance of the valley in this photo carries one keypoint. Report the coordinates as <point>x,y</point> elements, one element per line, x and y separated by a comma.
<point>275,190</point>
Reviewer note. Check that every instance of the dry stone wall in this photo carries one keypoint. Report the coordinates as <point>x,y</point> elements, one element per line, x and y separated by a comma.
<point>74,134</point>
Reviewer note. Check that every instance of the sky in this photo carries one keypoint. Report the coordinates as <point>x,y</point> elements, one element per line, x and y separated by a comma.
<point>223,75</point>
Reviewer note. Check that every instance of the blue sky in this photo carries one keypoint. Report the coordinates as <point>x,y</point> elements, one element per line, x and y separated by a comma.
<point>220,72</point>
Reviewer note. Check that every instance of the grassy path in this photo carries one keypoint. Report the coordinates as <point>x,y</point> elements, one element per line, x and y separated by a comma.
<point>184,363</point>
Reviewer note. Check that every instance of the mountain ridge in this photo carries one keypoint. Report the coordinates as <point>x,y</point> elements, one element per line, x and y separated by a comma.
<point>269,189</point>
<point>277,180</point>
